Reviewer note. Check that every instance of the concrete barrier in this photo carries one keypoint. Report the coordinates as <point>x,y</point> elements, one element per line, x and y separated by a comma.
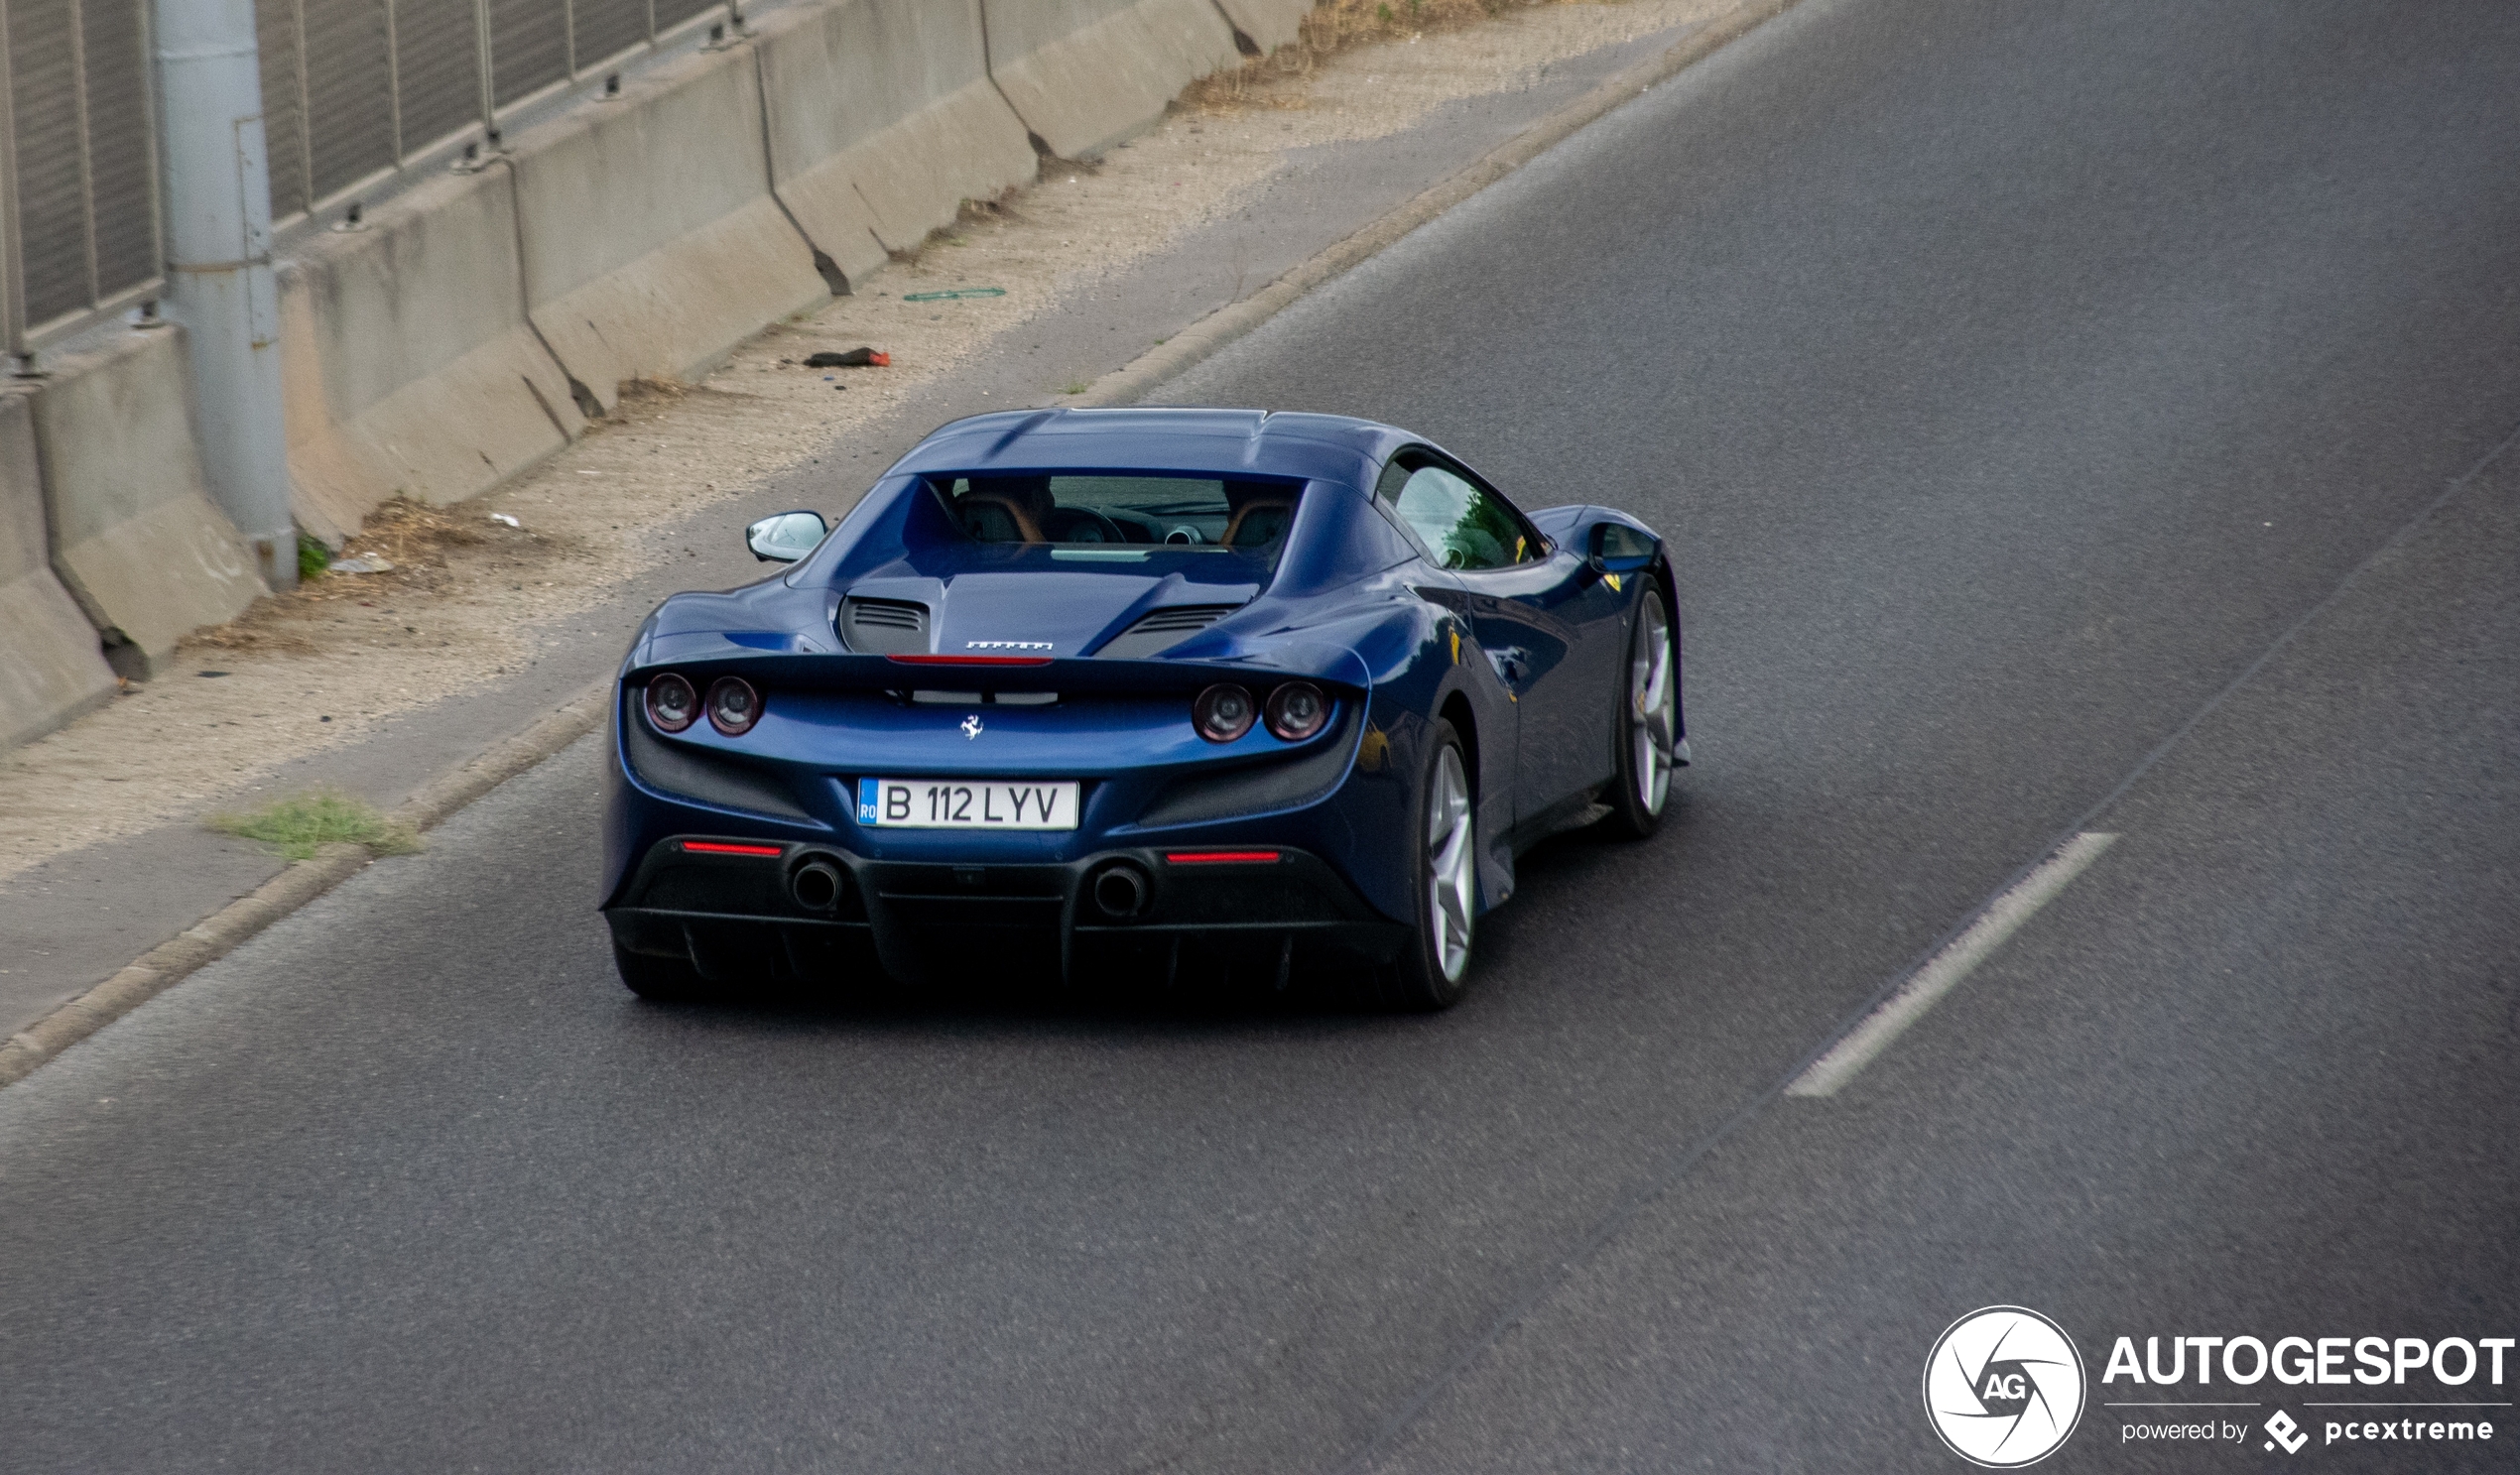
<point>408,363</point>
<point>1084,74</point>
<point>652,244</point>
<point>135,537</point>
<point>882,121</point>
<point>1270,24</point>
<point>52,666</point>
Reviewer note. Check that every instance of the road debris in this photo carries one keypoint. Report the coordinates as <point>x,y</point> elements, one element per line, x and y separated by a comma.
<point>854,358</point>
<point>953,295</point>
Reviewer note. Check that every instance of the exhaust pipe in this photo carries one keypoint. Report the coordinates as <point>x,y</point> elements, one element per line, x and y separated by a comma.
<point>817,884</point>
<point>1120,890</point>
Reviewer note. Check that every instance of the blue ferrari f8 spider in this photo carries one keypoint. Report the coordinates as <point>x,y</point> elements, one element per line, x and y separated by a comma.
<point>1259,691</point>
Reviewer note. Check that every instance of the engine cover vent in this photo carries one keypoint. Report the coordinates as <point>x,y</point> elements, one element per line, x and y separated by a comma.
<point>1159,628</point>
<point>884,627</point>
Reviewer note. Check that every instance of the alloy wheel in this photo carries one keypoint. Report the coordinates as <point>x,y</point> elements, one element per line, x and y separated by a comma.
<point>1449,848</point>
<point>1650,696</point>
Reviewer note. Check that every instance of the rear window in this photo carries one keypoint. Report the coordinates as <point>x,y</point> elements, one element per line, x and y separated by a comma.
<point>1174,513</point>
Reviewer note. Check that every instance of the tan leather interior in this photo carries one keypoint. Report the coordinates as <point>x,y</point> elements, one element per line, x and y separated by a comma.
<point>968,509</point>
<point>1273,512</point>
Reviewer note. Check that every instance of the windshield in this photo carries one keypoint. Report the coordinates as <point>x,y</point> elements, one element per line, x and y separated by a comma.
<point>1124,517</point>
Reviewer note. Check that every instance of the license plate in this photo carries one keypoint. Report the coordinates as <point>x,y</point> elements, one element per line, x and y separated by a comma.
<point>956,804</point>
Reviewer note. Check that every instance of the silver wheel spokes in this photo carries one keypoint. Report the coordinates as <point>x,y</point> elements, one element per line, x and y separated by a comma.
<point>1650,695</point>
<point>1450,844</point>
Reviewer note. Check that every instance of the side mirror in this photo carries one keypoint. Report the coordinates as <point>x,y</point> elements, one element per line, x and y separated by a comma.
<point>785,538</point>
<point>1619,549</point>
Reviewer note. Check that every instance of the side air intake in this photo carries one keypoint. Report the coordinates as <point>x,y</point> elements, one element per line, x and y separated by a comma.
<point>884,627</point>
<point>1159,628</point>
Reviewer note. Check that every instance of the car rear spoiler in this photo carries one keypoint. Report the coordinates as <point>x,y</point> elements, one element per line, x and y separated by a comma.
<point>699,655</point>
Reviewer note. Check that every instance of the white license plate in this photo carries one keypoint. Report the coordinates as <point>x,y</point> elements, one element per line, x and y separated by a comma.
<point>956,804</point>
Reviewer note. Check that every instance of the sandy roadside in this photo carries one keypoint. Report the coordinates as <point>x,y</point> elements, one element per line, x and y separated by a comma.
<point>323,666</point>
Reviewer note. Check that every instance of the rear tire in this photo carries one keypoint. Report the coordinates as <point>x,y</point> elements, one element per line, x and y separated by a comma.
<point>1433,969</point>
<point>1649,702</point>
<point>659,980</point>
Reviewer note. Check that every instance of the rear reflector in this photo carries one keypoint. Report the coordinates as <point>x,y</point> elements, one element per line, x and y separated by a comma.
<point>970,660</point>
<point>1220,857</point>
<point>714,847</point>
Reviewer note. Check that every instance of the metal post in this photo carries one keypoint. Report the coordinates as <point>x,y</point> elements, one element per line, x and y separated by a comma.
<point>11,245</point>
<point>220,282</point>
<point>488,66</point>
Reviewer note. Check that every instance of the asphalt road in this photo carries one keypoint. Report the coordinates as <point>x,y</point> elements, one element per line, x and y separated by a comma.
<point>2070,417</point>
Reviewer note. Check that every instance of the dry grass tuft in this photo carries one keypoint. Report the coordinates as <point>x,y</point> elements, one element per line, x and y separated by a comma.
<point>412,532</point>
<point>997,209</point>
<point>256,632</point>
<point>1331,27</point>
<point>652,390</point>
<point>423,542</point>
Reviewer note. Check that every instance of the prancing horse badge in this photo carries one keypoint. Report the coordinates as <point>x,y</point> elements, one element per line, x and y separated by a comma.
<point>972,726</point>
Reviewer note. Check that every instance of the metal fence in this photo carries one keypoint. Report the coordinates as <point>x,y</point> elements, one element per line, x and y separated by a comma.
<point>79,234</point>
<point>354,89</point>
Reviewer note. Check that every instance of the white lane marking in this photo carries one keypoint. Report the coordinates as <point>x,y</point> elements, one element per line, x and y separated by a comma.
<point>1944,971</point>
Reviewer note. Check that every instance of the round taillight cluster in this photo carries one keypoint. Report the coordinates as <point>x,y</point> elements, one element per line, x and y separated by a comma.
<point>1297,710</point>
<point>733,705</point>
<point>1222,712</point>
<point>671,703</point>
<point>674,705</point>
<point>1294,711</point>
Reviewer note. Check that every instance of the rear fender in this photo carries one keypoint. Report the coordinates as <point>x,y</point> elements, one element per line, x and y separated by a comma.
<point>1414,682</point>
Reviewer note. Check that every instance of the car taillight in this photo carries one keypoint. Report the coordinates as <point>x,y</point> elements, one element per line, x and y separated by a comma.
<point>671,703</point>
<point>733,705</point>
<point>1297,710</point>
<point>1222,712</point>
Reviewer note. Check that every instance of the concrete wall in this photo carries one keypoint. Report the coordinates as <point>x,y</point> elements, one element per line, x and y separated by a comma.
<point>408,362</point>
<point>882,120</point>
<point>652,244</point>
<point>1084,74</point>
<point>479,321</point>
<point>52,666</point>
<point>135,537</point>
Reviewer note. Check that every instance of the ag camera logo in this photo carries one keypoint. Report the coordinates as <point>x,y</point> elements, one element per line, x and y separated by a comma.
<point>2004,1386</point>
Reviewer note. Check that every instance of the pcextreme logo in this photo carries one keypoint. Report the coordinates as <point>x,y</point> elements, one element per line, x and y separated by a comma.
<point>2004,1386</point>
<point>2282,1430</point>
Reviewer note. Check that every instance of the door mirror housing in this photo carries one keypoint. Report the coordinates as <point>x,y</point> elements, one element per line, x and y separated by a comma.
<point>1619,549</point>
<point>787,537</point>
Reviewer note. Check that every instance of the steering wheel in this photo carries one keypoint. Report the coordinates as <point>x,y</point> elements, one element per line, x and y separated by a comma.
<point>1064,526</point>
